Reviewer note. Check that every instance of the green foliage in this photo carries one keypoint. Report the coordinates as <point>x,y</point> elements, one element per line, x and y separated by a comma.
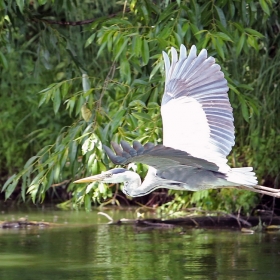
<point>229,200</point>
<point>106,81</point>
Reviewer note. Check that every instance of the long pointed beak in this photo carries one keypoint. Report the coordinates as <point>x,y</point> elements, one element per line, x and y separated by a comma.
<point>90,179</point>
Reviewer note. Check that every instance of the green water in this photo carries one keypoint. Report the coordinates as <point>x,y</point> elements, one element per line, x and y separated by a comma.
<point>85,247</point>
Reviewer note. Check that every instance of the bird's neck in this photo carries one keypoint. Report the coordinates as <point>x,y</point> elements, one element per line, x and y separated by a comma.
<point>134,187</point>
<point>132,182</point>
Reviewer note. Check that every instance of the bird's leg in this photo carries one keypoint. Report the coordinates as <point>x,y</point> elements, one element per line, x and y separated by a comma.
<point>267,189</point>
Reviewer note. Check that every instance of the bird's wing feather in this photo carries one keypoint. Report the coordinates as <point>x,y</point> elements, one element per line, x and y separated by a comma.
<point>197,116</point>
<point>159,156</point>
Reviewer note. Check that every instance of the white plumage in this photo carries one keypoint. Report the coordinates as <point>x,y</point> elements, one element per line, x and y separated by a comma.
<point>196,112</point>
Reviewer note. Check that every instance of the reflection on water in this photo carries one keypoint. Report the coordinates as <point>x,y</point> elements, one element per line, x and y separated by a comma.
<point>87,248</point>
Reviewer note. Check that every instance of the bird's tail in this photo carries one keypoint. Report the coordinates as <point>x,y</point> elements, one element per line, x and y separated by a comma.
<point>242,176</point>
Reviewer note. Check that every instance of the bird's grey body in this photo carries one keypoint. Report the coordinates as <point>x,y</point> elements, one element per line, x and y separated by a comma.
<point>198,134</point>
<point>168,167</point>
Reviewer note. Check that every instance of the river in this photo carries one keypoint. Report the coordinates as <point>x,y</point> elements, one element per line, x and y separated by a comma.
<point>83,246</point>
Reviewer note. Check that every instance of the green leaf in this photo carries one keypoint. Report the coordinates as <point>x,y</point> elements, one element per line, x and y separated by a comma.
<point>221,16</point>
<point>137,45</point>
<point>197,196</point>
<point>253,42</point>
<point>79,104</point>
<point>30,161</point>
<point>239,27</point>
<point>64,159</point>
<point>205,41</point>
<point>90,144</point>
<point>224,36</point>
<point>109,41</point>
<point>90,187</point>
<point>86,83</point>
<point>20,4</point>
<point>56,173</point>
<point>167,12</point>
<point>8,182</point>
<point>116,122</point>
<point>234,89</point>
<point>101,48</point>
<point>90,40</point>
<point>137,103</point>
<point>86,113</point>
<point>178,38</point>
<point>23,188</point>
<point>87,199</point>
<point>139,82</point>
<point>125,71</point>
<point>254,32</point>
<point>70,104</point>
<point>119,21</point>
<point>248,87</point>
<point>142,116</point>
<point>145,52</point>
<point>219,48</point>
<point>231,9</point>
<point>32,190</point>
<point>50,87</point>
<point>73,151</point>
<point>43,151</point>
<point>165,33</point>
<point>145,12</point>
<point>195,31</point>
<point>201,31</point>
<point>49,179</point>
<point>3,6</point>
<point>265,7</point>
<point>3,60</point>
<point>155,70</point>
<point>102,188</point>
<point>64,89</point>
<point>253,6</point>
<point>92,164</point>
<point>244,12</point>
<point>38,178</point>
<point>56,100</point>
<point>10,189</point>
<point>43,99</point>
<point>240,44</point>
<point>121,47</point>
<point>245,112</point>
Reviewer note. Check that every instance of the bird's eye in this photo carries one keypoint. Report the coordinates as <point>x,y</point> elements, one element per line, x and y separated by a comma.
<point>108,175</point>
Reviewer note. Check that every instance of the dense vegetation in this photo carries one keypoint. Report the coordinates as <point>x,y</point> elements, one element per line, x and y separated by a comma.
<point>77,74</point>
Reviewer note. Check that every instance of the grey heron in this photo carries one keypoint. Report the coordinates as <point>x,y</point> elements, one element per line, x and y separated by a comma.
<point>198,135</point>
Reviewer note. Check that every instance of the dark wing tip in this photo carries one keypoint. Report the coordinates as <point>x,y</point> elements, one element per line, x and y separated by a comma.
<point>138,147</point>
<point>114,158</point>
<point>128,149</point>
<point>116,148</point>
<point>149,146</point>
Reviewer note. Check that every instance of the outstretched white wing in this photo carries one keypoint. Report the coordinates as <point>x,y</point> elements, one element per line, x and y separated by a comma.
<point>197,116</point>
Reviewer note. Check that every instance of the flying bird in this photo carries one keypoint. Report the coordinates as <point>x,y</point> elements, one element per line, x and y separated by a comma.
<point>198,135</point>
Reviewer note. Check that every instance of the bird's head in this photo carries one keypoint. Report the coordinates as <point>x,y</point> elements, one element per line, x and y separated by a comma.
<point>117,175</point>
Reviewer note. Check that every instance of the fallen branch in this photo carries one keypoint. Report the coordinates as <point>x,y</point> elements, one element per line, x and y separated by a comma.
<point>229,221</point>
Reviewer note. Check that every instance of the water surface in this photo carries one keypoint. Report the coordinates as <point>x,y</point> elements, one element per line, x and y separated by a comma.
<point>86,247</point>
